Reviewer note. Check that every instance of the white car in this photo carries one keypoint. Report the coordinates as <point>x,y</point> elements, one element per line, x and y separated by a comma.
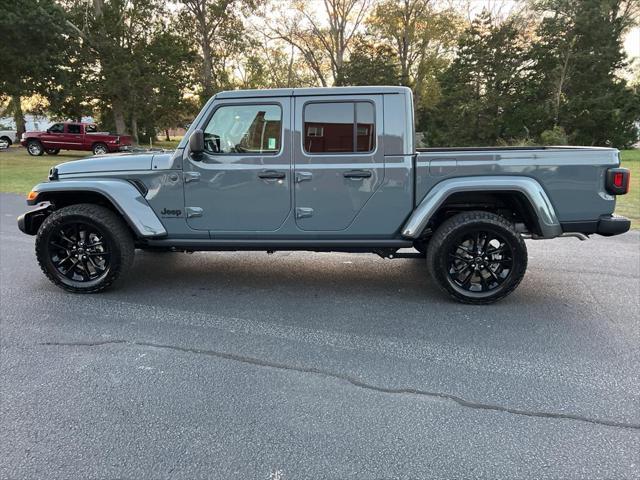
<point>8,136</point>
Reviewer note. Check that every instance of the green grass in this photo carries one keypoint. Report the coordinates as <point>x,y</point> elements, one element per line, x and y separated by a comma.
<point>629,205</point>
<point>19,172</point>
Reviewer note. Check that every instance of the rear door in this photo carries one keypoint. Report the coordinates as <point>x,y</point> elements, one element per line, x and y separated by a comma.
<point>242,182</point>
<point>339,163</point>
<point>74,136</point>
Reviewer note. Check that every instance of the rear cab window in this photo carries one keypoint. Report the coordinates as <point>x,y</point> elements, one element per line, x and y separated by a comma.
<point>339,127</point>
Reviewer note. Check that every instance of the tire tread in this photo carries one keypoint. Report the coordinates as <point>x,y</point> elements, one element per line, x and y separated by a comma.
<point>452,224</point>
<point>109,221</point>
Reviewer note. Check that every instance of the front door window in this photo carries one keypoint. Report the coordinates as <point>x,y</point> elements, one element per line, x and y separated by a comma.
<point>244,129</point>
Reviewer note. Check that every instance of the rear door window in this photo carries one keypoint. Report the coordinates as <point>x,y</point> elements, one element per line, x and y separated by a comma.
<point>339,127</point>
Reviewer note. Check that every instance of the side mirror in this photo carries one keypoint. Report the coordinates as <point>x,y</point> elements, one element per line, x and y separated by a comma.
<point>196,141</point>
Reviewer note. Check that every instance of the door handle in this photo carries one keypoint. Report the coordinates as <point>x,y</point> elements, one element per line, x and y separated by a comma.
<point>271,175</point>
<point>303,176</point>
<point>357,174</point>
<point>191,177</point>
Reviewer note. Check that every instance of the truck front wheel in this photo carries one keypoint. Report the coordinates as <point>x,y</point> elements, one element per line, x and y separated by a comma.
<point>84,248</point>
<point>34,147</point>
<point>477,257</point>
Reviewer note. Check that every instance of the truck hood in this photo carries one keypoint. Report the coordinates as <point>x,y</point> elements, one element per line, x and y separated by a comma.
<point>115,162</point>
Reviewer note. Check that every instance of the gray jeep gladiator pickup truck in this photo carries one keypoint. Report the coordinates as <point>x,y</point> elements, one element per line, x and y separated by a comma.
<point>322,169</point>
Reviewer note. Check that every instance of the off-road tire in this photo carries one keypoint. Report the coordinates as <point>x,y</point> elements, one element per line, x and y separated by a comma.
<point>115,231</point>
<point>456,227</point>
<point>99,148</point>
<point>52,151</point>
<point>35,148</point>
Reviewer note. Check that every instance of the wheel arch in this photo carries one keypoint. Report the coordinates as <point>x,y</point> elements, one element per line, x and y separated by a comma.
<point>522,195</point>
<point>118,195</point>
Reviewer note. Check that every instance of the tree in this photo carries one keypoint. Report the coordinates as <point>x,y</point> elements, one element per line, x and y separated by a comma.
<point>323,41</point>
<point>422,39</point>
<point>268,64</point>
<point>485,95</point>
<point>370,64</point>
<point>577,58</point>
<point>218,29</point>
<point>139,66</point>
<point>32,48</point>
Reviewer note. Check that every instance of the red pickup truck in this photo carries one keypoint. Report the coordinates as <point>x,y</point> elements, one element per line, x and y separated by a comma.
<point>73,136</point>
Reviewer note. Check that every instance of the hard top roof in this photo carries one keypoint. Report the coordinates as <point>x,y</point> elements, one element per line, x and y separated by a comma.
<point>302,92</point>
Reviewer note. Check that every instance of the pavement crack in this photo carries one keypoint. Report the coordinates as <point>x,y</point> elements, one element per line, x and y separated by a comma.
<point>358,383</point>
<point>83,344</point>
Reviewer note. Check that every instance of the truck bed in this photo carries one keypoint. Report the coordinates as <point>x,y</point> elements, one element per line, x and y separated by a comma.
<point>572,177</point>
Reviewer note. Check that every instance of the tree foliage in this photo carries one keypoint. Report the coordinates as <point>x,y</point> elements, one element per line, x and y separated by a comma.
<point>578,57</point>
<point>32,47</point>
<point>370,64</point>
<point>547,71</point>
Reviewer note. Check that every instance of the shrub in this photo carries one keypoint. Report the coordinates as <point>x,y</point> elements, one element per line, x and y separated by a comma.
<point>555,136</point>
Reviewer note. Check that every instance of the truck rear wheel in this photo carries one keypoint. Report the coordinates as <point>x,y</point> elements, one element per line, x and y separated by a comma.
<point>84,248</point>
<point>477,257</point>
<point>99,149</point>
<point>34,147</point>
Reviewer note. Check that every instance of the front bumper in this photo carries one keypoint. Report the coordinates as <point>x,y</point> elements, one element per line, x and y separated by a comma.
<point>29,222</point>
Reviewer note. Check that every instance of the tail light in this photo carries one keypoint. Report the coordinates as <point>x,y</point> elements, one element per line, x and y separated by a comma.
<point>617,182</point>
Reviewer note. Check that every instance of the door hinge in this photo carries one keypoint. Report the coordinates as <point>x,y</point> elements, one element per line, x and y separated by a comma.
<point>191,177</point>
<point>303,176</point>
<point>194,212</point>
<point>304,212</point>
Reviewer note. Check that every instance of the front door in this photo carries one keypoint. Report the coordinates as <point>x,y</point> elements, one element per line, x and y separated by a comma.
<point>242,182</point>
<point>54,137</point>
<point>339,162</point>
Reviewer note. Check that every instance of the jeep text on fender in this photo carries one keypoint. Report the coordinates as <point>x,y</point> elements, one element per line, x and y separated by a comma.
<point>323,169</point>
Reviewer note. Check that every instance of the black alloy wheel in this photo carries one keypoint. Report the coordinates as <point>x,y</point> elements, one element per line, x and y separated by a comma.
<point>477,257</point>
<point>79,252</point>
<point>480,261</point>
<point>84,248</point>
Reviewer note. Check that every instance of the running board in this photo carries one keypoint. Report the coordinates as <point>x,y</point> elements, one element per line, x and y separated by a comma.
<point>333,245</point>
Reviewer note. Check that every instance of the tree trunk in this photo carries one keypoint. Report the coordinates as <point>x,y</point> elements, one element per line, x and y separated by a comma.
<point>97,7</point>
<point>18,115</point>
<point>118,117</point>
<point>134,128</point>
<point>166,135</point>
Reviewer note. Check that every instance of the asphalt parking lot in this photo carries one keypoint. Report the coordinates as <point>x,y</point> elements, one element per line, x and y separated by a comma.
<point>297,365</point>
